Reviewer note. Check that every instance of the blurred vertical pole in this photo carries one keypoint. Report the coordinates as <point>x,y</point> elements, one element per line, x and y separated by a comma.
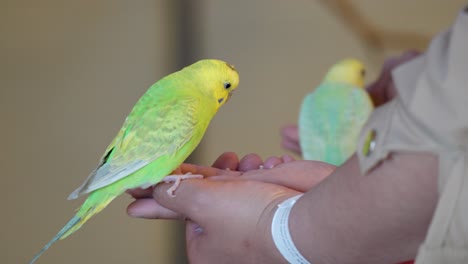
<point>187,32</point>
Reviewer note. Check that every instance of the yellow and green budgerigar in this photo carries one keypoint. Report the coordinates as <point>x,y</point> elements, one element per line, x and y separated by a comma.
<point>332,116</point>
<point>161,131</point>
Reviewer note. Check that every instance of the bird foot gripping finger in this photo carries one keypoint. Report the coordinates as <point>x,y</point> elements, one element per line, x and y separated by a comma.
<point>177,179</point>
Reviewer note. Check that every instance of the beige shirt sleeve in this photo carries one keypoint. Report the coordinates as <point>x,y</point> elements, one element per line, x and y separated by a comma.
<point>431,114</point>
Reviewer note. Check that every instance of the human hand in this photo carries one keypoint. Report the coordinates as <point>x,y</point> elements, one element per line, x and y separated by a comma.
<point>227,164</point>
<point>383,89</point>
<point>285,171</point>
<point>228,167</point>
<point>290,139</point>
<point>252,161</point>
<point>228,221</point>
<point>216,229</point>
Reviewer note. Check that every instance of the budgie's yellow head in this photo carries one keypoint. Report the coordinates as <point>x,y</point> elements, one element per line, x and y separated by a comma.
<point>217,78</point>
<point>350,71</point>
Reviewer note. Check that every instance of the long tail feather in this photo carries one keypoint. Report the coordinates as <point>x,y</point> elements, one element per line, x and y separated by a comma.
<point>67,227</point>
<point>86,211</point>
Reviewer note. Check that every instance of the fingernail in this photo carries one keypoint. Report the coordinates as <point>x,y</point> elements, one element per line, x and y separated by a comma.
<point>133,213</point>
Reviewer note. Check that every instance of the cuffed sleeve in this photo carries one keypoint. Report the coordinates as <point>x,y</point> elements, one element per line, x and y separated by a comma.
<point>430,114</point>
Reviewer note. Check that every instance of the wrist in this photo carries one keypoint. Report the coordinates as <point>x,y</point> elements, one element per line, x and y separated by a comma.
<point>269,253</point>
<point>282,235</point>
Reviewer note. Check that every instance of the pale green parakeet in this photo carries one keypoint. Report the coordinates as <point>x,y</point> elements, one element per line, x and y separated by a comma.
<point>332,116</point>
<point>161,131</point>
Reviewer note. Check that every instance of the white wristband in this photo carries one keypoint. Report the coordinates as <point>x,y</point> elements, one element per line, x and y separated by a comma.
<point>281,235</point>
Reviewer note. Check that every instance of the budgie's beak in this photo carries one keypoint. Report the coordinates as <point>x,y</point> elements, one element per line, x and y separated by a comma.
<point>229,96</point>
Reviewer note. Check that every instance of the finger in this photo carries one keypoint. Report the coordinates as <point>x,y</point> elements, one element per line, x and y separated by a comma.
<point>227,178</point>
<point>139,193</point>
<point>294,177</point>
<point>272,162</point>
<point>227,160</point>
<point>291,132</point>
<point>205,171</point>
<point>291,146</point>
<point>299,184</point>
<point>150,209</point>
<point>287,158</point>
<point>250,162</point>
<point>197,169</point>
<point>290,138</point>
<point>203,200</point>
<point>191,197</point>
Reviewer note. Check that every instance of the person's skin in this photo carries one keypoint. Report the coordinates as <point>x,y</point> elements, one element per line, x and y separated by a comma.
<point>228,167</point>
<point>244,181</point>
<point>344,217</point>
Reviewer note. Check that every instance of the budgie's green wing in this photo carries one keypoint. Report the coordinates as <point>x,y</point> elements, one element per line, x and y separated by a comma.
<point>358,109</point>
<point>149,132</point>
<point>330,121</point>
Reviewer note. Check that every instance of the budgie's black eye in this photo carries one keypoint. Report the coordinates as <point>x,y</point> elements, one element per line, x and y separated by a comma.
<point>363,72</point>
<point>227,85</point>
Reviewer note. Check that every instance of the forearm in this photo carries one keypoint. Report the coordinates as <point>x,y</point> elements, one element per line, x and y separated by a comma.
<point>377,218</point>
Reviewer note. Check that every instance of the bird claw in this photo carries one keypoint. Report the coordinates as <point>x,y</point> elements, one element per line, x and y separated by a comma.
<point>177,179</point>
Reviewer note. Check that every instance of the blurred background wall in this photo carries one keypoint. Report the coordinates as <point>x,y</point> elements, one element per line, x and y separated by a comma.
<point>70,71</point>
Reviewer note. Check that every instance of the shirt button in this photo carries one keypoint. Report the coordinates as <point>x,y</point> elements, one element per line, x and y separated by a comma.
<point>369,143</point>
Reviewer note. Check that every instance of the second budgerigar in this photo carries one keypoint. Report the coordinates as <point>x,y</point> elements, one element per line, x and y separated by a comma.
<point>332,116</point>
